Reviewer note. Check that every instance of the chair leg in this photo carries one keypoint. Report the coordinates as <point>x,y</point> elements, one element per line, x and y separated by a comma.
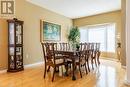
<point>45,71</point>
<point>66,67</point>
<point>88,65</point>
<point>48,69</point>
<point>80,71</point>
<point>53,73</point>
<point>98,58</point>
<point>92,64</point>
<point>57,69</point>
<point>95,61</point>
<point>86,69</point>
<point>62,70</point>
<point>70,65</point>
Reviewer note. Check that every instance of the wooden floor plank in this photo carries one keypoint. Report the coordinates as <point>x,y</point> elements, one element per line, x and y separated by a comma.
<point>108,74</point>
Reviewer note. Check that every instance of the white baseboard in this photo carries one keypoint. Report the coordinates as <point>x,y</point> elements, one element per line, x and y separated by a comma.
<point>124,67</point>
<point>3,71</point>
<point>127,82</point>
<point>32,65</point>
<point>25,66</point>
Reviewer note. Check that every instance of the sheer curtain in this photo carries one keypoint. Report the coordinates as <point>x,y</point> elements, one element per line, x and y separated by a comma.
<point>104,34</point>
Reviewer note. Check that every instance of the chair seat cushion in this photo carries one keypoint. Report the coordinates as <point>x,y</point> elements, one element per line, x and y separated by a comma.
<point>59,61</point>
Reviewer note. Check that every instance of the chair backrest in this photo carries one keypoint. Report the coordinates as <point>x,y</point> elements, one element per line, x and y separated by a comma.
<point>48,51</point>
<point>82,50</point>
<point>68,46</point>
<point>82,46</point>
<point>92,46</point>
<point>87,46</point>
<point>87,49</point>
<point>97,46</point>
<point>55,46</point>
<point>64,46</point>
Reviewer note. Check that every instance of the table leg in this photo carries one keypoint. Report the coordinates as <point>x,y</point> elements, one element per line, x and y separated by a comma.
<point>73,63</point>
<point>57,69</point>
<point>66,67</point>
<point>98,58</point>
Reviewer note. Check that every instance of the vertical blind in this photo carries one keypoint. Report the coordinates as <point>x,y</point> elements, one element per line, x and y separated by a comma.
<point>104,34</point>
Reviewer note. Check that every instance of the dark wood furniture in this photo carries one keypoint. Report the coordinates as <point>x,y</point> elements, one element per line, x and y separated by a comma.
<point>81,61</point>
<point>87,54</point>
<point>51,59</point>
<point>62,51</point>
<point>94,53</point>
<point>64,46</point>
<point>15,45</point>
<point>73,57</point>
<point>98,52</point>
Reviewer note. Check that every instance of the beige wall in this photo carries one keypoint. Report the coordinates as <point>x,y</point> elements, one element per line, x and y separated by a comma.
<point>111,17</point>
<point>123,30</point>
<point>31,15</point>
<point>3,44</point>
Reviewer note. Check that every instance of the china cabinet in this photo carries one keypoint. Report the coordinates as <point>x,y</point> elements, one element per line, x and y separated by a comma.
<point>15,45</point>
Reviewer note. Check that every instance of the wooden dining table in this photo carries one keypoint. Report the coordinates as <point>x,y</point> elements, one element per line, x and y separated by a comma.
<point>72,55</point>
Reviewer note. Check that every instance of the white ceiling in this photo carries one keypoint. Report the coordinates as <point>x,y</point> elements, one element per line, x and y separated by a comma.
<point>79,8</point>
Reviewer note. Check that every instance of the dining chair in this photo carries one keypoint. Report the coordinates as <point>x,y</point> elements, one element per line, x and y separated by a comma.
<point>95,53</point>
<point>81,61</point>
<point>98,52</point>
<point>92,54</point>
<point>50,59</point>
<point>66,47</point>
<point>87,54</point>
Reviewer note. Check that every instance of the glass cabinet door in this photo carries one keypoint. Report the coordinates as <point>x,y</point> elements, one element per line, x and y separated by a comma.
<point>18,34</point>
<point>11,33</point>
<point>11,55</point>
<point>18,57</point>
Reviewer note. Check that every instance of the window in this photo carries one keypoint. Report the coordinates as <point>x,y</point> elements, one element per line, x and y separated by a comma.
<point>104,34</point>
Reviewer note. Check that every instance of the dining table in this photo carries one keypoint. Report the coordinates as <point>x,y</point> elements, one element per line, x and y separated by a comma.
<point>71,55</point>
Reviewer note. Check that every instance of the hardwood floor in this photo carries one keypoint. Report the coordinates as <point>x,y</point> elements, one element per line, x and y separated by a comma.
<point>109,74</point>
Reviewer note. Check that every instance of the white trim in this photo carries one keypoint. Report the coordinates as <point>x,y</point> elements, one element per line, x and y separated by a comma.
<point>32,65</point>
<point>124,67</point>
<point>3,71</point>
<point>25,66</point>
<point>127,82</point>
